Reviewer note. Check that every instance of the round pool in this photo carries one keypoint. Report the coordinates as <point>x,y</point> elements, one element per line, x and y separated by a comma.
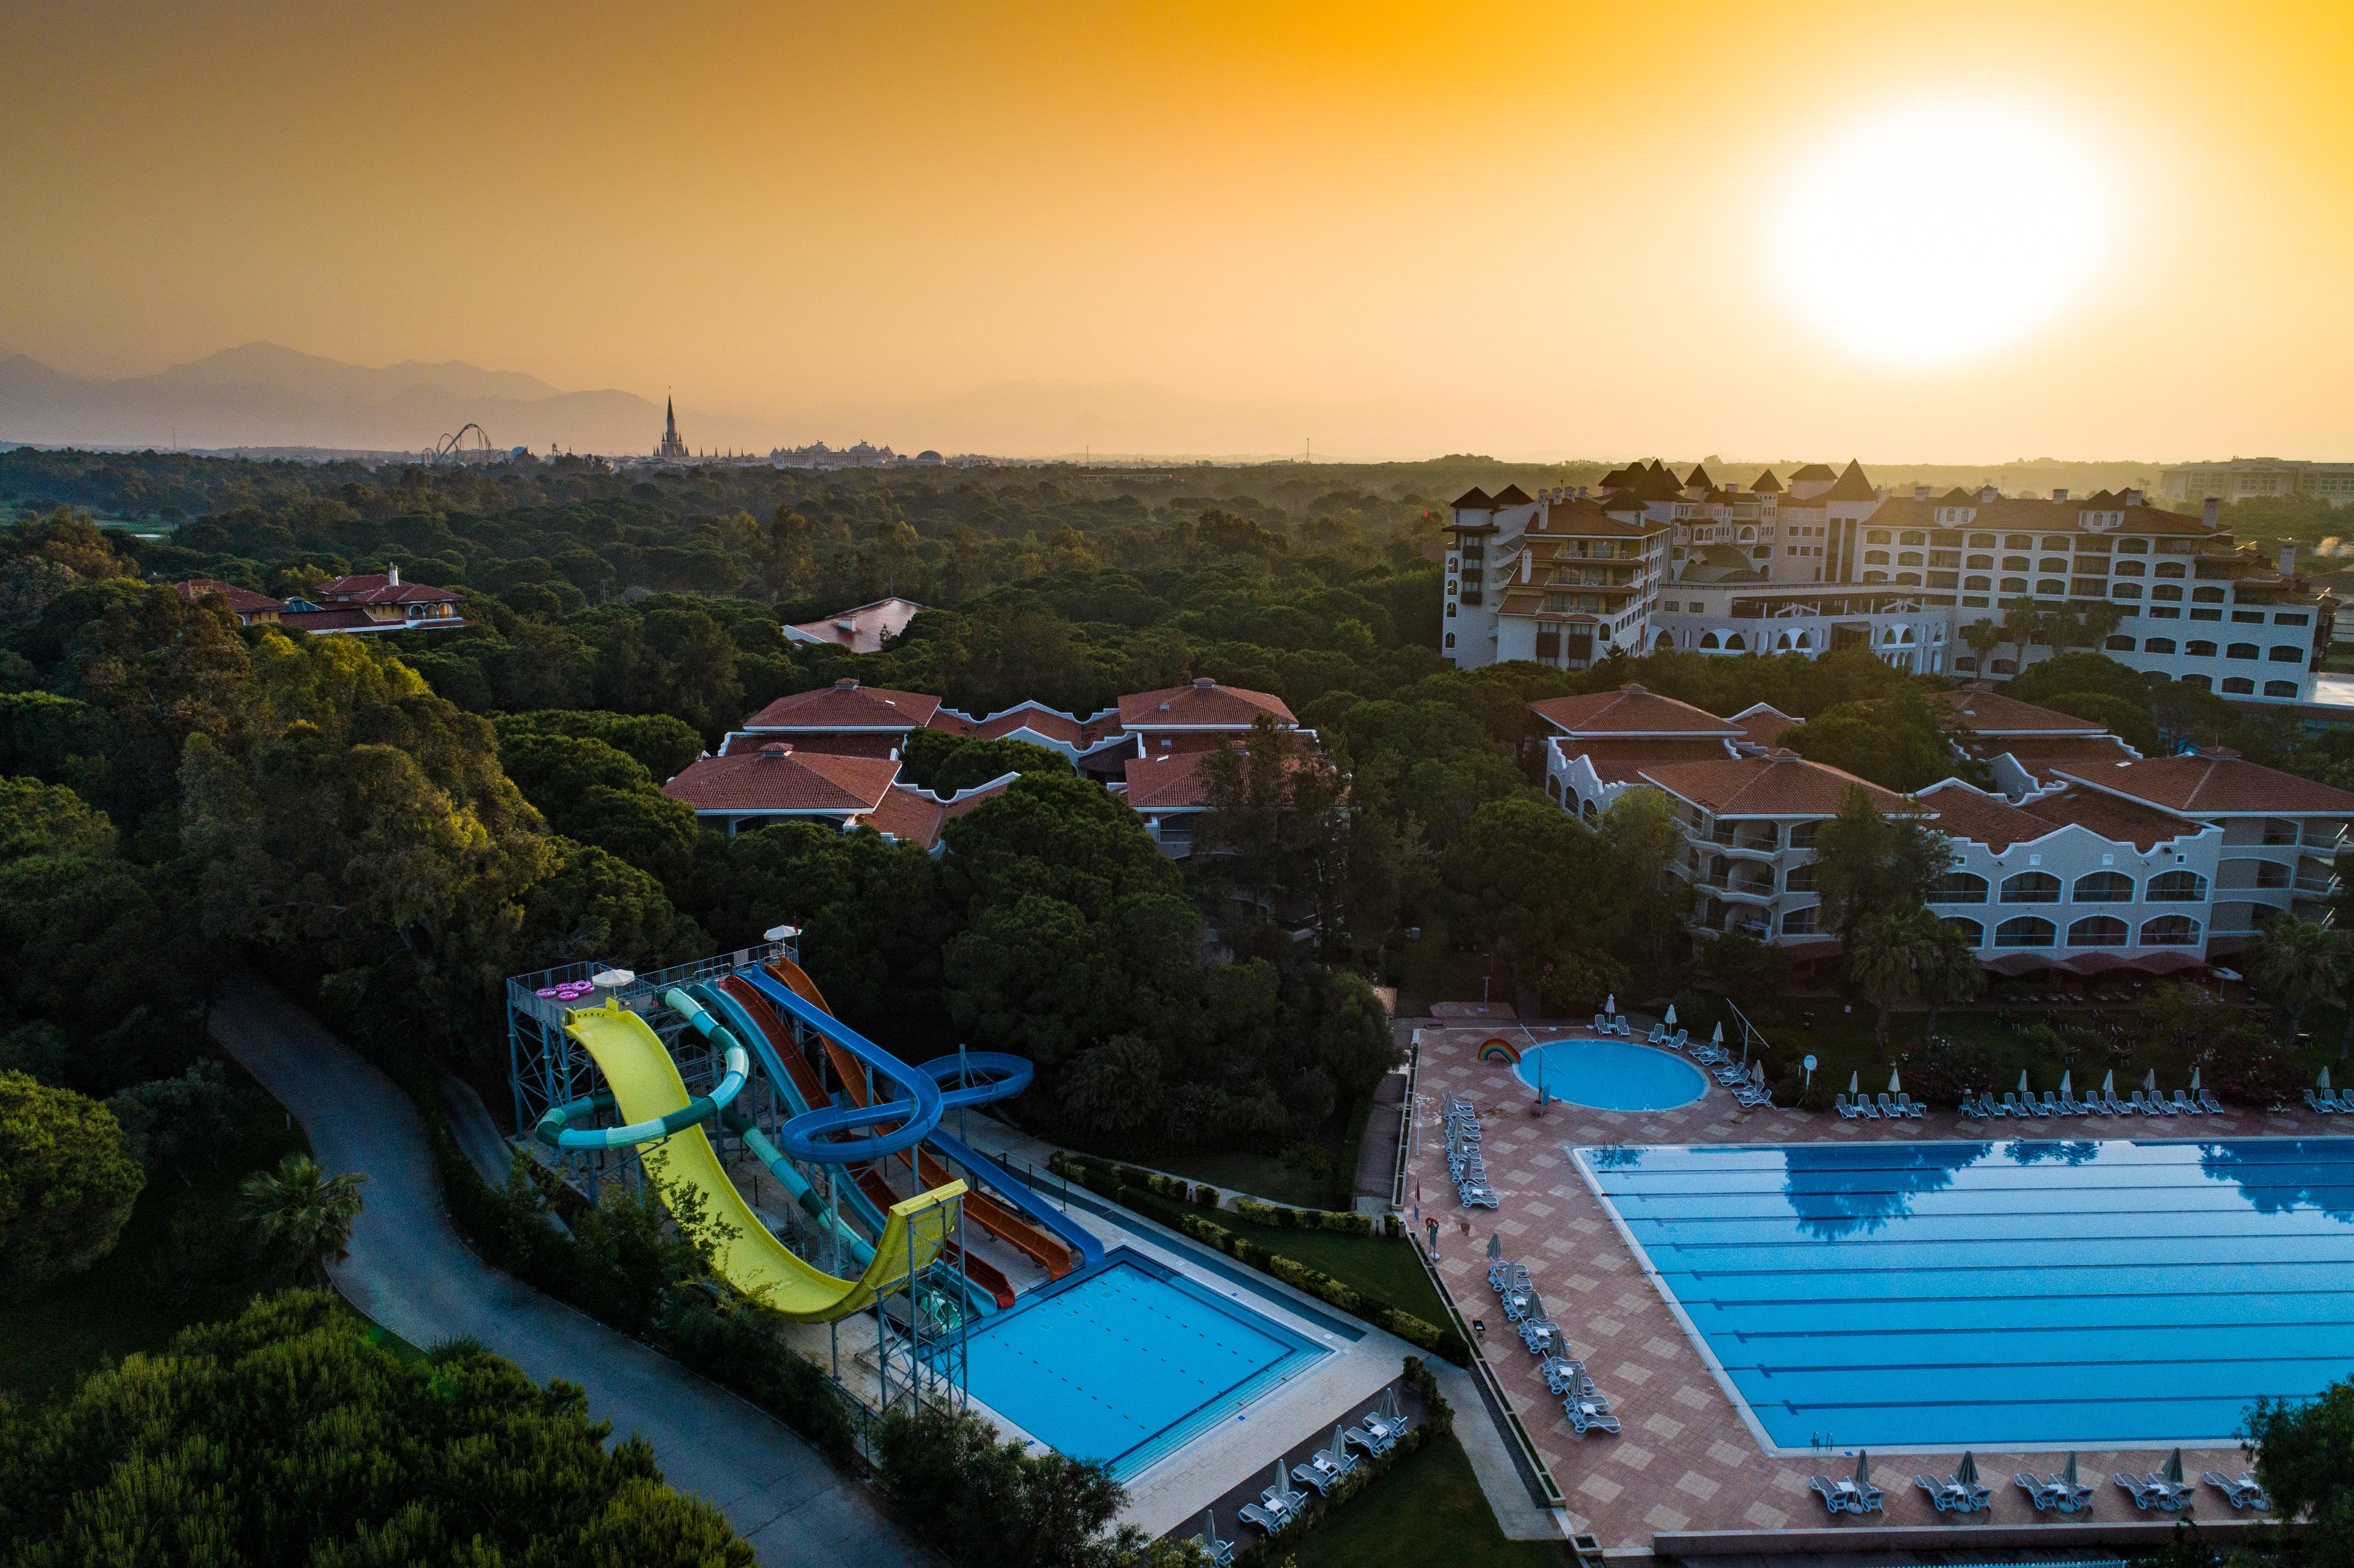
<point>1611,1075</point>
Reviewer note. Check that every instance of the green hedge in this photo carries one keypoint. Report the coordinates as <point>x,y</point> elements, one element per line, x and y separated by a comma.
<point>1438,1420</point>
<point>1105,1179</point>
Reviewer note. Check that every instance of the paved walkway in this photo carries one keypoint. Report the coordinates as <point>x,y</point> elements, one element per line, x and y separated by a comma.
<point>410,1272</point>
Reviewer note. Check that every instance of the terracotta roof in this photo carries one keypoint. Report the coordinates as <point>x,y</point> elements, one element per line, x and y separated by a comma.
<point>1591,520</point>
<point>1084,733</point>
<point>2204,784</point>
<point>846,704</point>
<point>1164,780</point>
<point>1205,705</point>
<point>914,816</point>
<point>859,631</point>
<point>1622,761</point>
<point>1513,495</point>
<point>1698,477</point>
<point>353,619</point>
<point>245,601</point>
<point>781,777</point>
<point>2122,822</point>
<point>377,588</point>
<point>2043,756</point>
<point>2031,516</point>
<point>1474,500</point>
<point>1964,813</point>
<point>1814,471</point>
<point>1784,786</point>
<point>1989,712</point>
<point>1761,722</point>
<point>870,743</point>
<point>1632,711</point>
<point>1851,486</point>
<point>1766,484</point>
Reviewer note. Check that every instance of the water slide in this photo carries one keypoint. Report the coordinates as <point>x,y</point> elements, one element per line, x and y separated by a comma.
<point>644,1088</point>
<point>1015,1215</point>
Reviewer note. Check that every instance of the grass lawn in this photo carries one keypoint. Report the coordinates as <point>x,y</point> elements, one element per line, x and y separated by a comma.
<point>179,1261</point>
<point>1262,1175</point>
<point>1372,1266</point>
<point>1428,1510</point>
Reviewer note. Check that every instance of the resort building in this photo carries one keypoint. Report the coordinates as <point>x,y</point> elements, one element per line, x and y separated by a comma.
<point>366,604</point>
<point>1923,580</point>
<point>250,609</point>
<point>2253,479</point>
<point>2085,854</point>
<point>1558,578</point>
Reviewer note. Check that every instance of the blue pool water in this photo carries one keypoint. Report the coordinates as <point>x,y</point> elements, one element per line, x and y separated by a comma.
<point>1128,1362</point>
<point>2003,1293</point>
<point>1611,1075</point>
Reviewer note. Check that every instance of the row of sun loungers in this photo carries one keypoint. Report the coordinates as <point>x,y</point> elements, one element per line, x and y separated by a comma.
<point>2154,1490</point>
<point>1852,1494</point>
<point>2095,1104</point>
<point>1611,1024</point>
<point>1376,1432</point>
<point>2063,1492</point>
<point>1564,1375</point>
<point>1464,1166</point>
<point>2328,1104</point>
<point>1901,1107</point>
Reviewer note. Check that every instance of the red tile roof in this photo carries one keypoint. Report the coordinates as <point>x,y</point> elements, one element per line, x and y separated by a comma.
<point>1166,780</point>
<point>1964,813</point>
<point>377,587</point>
<point>1629,710</point>
<point>1762,724</point>
<point>1621,761</point>
<point>780,777</point>
<point>2042,756</point>
<point>1201,706</point>
<point>2204,784</point>
<point>1083,734</point>
<point>353,619</point>
<point>2123,822</point>
<point>846,704</point>
<point>1989,712</point>
<point>1850,485</point>
<point>1766,787</point>
<point>859,631</point>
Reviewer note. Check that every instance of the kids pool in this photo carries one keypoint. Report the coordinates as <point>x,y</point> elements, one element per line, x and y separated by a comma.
<point>1611,1075</point>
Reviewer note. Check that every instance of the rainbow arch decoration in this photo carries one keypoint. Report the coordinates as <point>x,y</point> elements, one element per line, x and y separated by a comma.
<point>1499,1051</point>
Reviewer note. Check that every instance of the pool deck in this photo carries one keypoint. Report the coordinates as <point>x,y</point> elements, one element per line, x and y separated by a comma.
<point>1688,1461</point>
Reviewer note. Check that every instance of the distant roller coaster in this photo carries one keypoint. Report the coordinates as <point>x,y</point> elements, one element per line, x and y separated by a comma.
<point>456,449</point>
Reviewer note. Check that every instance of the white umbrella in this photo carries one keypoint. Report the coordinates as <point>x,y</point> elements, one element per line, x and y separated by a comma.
<point>1672,1015</point>
<point>1893,1087</point>
<point>2022,1080</point>
<point>2194,1080</point>
<point>2066,1089</point>
<point>2151,1083</point>
<point>1718,1038</point>
<point>2109,1084</point>
<point>1610,1005</point>
<point>1852,1078</point>
<point>2324,1082</point>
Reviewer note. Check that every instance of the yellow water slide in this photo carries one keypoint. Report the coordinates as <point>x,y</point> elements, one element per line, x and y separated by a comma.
<point>645,1086</point>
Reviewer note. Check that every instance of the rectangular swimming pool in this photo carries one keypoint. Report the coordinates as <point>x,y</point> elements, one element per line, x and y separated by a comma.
<point>2014,1294</point>
<point>1126,1363</point>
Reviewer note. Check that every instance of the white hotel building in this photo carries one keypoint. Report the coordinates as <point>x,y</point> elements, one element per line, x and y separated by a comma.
<point>1827,560</point>
<point>2084,856</point>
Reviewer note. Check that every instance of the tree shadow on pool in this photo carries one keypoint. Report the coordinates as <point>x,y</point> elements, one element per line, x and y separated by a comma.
<point>1835,1194</point>
<point>2278,1176</point>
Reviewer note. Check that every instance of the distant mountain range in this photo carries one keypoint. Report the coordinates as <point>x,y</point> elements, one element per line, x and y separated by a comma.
<point>264,395</point>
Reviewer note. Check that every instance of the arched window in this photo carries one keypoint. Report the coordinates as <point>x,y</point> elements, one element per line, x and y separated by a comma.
<point>1707,640</point>
<point>2170,931</point>
<point>1553,786</point>
<point>2104,887</point>
<point>2201,682</point>
<point>1799,878</point>
<point>1979,562</point>
<point>1908,580</point>
<point>1908,558</point>
<point>1875,557</point>
<point>1876,536</point>
<point>2130,568</point>
<point>2280,688</point>
<point>2024,931</point>
<point>2239,686</point>
<point>1663,643</point>
<point>2158,645</point>
<point>1450,636</point>
<point>2013,585</point>
<point>2176,888</point>
<point>2119,645</point>
<point>2056,542</point>
<point>2097,931</point>
<point>1914,536</point>
<point>1958,887</point>
<point>2051,587</point>
<point>1450,609</point>
<point>2207,594</point>
<point>2286,655</point>
<point>2241,651</point>
<point>2031,887</point>
<point>2169,569</point>
<point>1585,809</point>
<point>2200,649</point>
<point>2017,542</point>
<point>2004,667</point>
<point>1976,585</point>
<point>2165,592</point>
<point>1981,541</point>
<point>1967,927</point>
<point>1966,663</point>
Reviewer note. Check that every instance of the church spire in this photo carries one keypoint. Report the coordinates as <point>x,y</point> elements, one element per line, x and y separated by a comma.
<point>672,449</point>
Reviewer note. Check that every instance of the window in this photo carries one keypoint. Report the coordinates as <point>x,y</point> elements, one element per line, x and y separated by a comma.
<point>1450,640</point>
<point>2280,688</point>
<point>2051,588</point>
<point>2286,655</point>
<point>2133,546</point>
<point>1981,541</point>
<point>2047,564</point>
<point>2158,645</point>
<point>2024,931</point>
<point>2170,931</point>
<point>1876,536</point>
<point>2097,931</point>
<point>1958,887</point>
<point>2126,590</point>
<point>1802,922</point>
<point>1908,558</point>
<point>2119,645</point>
<point>2129,568</point>
<point>2239,686</point>
<point>2170,569</point>
<point>1967,927</point>
<point>2241,651</point>
<point>1450,610</point>
<point>2279,832</point>
<point>1799,878</point>
<point>2207,594</point>
<point>1977,585</point>
<point>2200,650</point>
<point>1802,836</point>
<point>2031,887</point>
<point>1966,664</point>
<point>2288,620</point>
<point>2201,682</point>
<point>2104,887</point>
<point>2013,585</point>
<point>2017,542</point>
<point>1981,563</point>
<point>1913,537</point>
<point>2016,563</point>
<point>1875,557</point>
<point>2056,542</point>
<point>2176,888</point>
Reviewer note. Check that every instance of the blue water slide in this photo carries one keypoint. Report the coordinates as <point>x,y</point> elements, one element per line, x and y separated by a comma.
<point>1018,1194</point>
<point>814,1135</point>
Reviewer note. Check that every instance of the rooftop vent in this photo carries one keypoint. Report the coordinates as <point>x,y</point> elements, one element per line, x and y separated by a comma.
<point>847,683</point>
<point>2060,494</point>
<point>775,748</point>
<point>1202,683</point>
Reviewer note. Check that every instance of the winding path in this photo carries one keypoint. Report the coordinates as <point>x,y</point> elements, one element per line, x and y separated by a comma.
<point>410,1272</point>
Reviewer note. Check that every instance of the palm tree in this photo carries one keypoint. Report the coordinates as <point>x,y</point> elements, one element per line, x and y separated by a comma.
<point>2100,620</point>
<point>2022,625</point>
<point>302,1214</point>
<point>1885,955</point>
<point>1984,637</point>
<point>2299,962</point>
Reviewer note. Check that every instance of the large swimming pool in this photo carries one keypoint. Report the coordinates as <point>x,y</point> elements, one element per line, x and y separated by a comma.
<point>1611,1075</point>
<point>2008,1294</point>
<point>1129,1362</point>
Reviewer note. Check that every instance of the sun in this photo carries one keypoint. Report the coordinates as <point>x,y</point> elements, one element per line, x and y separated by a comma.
<point>1930,235</point>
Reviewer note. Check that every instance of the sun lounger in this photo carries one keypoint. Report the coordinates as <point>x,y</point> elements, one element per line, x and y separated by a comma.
<point>1564,1375</point>
<point>2313,1101</point>
<point>1659,1033</point>
<point>1367,1441</point>
<point>1325,1470</point>
<point>1219,1553</point>
<point>1384,1422</point>
<point>1680,1038</point>
<point>2139,1105</point>
<point>1590,1414</point>
<point>1500,1272</point>
<point>2242,1493</point>
<point>2045,1492</point>
<point>1950,1496</point>
<point>1601,1025</point>
<point>2066,1496</point>
<point>2160,1105</point>
<point>2051,1105</point>
<point>2210,1104</point>
<point>1539,1335</point>
<point>2185,1106</point>
<point>1987,1106</point>
<point>2011,1106</point>
<point>1846,1111</point>
<point>2149,1491</point>
<point>1252,1514</point>
<point>2115,1107</point>
<point>1479,1198</point>
<point>2071,1106</point>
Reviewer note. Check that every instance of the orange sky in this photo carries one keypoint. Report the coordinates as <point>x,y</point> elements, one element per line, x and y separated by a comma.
<point>1520,229</point>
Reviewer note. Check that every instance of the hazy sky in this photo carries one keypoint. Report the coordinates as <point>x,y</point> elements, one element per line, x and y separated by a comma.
<point>1512,229</point>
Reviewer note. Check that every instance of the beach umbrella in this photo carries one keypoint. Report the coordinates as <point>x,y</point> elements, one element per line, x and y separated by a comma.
<point>1340,1452</point>
<point>1672,1015</point>
<point>1610,1005</point>
<point>2151,1083</point>
<point>2174,1468</point>
<point>1210,1529</point>
<point>1892,1085</point>
<point>1718,1037</point>
<point>1279,1487</point>
<point>2022,1080</point>
<point>2194,1080</point>
<point>2109,1084</point>
<point>1863,1469</point>
<point>2323,1082</point>
<point>1967,1472</point>
<point>2069,1475</point>
<point>2066,1089</point>
<point>1851,1085</point>
<point>1495,1246</point>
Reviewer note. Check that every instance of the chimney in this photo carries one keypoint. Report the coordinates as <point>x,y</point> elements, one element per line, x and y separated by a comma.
<point>847,683</point>
<point>2132,498</point>
<point>775,748</point>
<point>1581,495</point>
<point>2212,514</point>
<point>1202,683</point>
<point>2059,496</point>
<point>1920,492</point>
<point>1988,493</point>
<point>2288,559</point>
<point>392,574</point>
